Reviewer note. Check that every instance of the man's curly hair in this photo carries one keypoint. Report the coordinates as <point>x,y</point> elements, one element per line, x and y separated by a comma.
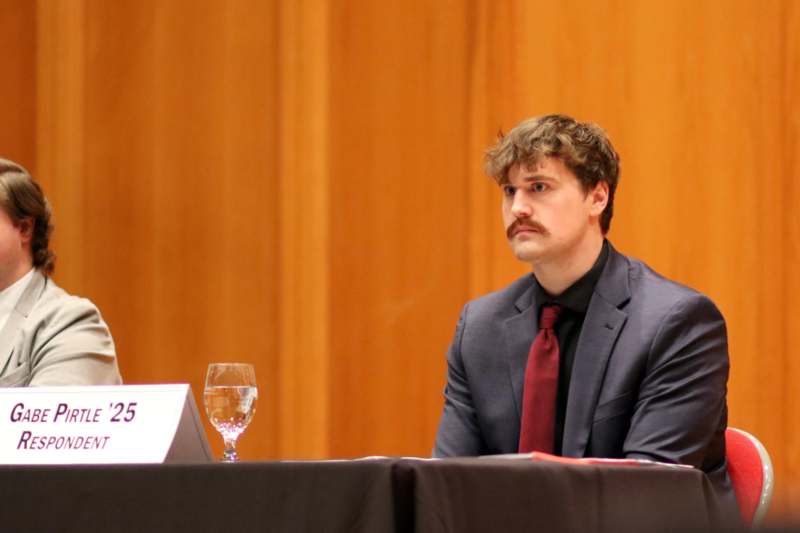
<point>583,147</point>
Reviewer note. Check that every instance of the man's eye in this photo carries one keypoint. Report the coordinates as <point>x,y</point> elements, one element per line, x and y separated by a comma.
<point>508,190</point>
<point>539,187</point>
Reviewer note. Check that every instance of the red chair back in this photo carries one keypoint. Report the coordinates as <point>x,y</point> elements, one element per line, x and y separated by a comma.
<point>750,470</point>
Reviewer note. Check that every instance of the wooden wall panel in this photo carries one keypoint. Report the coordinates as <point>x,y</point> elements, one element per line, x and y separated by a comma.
<point>178,218</point>
<point>60,142</point>
<point>399,125</point>
<point>788,361</point>
<point>299,185</point>
<point>18,90</point>
<point>302,392</point>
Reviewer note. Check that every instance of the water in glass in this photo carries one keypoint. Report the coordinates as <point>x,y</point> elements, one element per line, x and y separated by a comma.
<point>230,400</point>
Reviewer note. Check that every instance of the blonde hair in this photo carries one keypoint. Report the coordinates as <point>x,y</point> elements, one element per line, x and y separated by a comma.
<point>22,198</point>
<point>583,147</point>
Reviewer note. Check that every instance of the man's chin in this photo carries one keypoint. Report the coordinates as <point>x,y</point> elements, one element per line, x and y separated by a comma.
<point>526,252</point>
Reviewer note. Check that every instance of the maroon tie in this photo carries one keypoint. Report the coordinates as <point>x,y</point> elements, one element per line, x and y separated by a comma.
<point>541,383</point>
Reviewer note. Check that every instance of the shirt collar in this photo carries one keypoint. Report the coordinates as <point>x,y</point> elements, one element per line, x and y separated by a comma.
<point>578,295</point>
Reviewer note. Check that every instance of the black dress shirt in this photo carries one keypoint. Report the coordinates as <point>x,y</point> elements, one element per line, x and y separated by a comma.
<point>574,302</point>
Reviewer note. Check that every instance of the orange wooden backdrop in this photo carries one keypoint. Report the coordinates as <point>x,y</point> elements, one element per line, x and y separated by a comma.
<point>298,185</point>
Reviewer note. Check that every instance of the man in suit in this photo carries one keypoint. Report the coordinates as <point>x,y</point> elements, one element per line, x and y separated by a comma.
<point>638,364</point>
<point>47,337</point>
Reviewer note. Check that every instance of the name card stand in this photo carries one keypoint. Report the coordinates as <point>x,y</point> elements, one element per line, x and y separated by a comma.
<point>101,425</point>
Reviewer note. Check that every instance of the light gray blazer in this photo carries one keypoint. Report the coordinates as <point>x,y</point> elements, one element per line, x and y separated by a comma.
<point>54,338</point>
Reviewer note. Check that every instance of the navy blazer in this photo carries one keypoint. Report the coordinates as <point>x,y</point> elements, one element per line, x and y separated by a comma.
<point>649,379</point>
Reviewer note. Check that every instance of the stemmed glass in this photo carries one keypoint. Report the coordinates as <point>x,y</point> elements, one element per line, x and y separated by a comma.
<point>230,398</point>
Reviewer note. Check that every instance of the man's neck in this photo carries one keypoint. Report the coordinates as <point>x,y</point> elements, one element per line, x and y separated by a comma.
<point>14,274</point>
<point>558,275</point>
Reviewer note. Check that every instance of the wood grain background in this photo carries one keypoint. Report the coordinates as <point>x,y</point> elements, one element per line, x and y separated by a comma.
<point>298,185</point>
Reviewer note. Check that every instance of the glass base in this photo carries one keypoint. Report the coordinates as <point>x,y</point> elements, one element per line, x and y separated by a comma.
<point>230,456</point>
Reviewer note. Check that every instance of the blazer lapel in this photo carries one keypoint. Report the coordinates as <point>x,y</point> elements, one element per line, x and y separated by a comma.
<point>519,333</point>
<point>20,312</point>
<point>601,327</point>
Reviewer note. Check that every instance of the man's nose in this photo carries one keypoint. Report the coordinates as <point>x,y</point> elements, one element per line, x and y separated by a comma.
<point>520,207</point>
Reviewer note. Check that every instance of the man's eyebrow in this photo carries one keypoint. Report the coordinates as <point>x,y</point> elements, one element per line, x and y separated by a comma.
<point>536,176</point>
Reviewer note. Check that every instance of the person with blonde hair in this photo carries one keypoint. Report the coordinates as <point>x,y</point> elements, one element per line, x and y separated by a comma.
<point>47,337</point>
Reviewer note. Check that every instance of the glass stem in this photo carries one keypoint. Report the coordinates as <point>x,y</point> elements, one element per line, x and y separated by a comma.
<point>230,455</point>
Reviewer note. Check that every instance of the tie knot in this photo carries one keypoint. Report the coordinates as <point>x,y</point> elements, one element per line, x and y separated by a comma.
<point>549,316</point>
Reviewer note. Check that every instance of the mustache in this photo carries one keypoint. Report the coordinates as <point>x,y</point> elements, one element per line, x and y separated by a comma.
<point>526,224</point>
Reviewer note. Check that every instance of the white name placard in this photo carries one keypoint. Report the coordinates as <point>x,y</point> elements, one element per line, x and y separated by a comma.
<point>104,424</point>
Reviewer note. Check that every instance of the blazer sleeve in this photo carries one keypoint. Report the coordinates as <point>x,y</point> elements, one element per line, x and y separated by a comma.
<point>459,433</point>
<point>681,414</point>
<point>72,346</point>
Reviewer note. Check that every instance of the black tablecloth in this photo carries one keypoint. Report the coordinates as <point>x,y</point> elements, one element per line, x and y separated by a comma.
<point>376,495</point>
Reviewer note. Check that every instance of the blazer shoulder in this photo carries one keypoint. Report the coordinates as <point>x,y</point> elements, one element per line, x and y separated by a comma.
<point>652,289</point>
<point>56,309</point>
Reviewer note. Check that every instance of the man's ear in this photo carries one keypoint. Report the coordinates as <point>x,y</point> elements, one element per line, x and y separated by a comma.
<point>599,198</point>
<point>25,227</point>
